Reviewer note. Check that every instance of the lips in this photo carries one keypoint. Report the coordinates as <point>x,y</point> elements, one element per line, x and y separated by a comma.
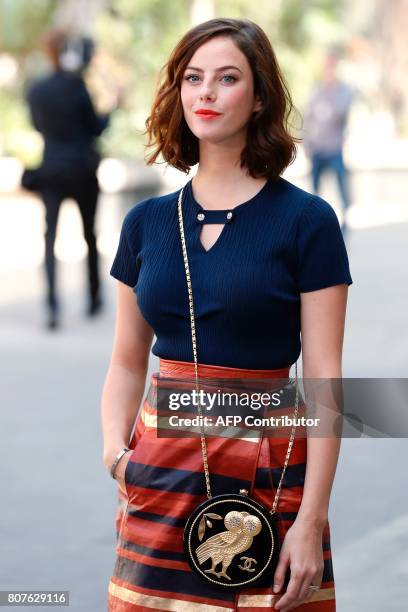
<point>207,112</point>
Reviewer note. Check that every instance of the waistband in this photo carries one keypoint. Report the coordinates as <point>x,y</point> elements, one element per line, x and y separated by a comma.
<point>172,367</point>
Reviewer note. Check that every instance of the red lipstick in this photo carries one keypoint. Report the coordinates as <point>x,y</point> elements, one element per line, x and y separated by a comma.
<point>206,113</point>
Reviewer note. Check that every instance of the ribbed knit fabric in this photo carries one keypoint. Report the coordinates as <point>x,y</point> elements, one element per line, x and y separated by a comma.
<point>246,287</point>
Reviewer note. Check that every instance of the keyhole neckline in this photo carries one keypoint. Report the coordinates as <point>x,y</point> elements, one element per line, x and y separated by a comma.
<point>240,206</point>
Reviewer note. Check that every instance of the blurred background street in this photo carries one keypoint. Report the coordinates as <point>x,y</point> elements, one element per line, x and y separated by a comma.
<point>57,516</point>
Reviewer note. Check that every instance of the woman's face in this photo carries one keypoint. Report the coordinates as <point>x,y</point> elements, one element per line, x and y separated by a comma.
<point>218,77</point>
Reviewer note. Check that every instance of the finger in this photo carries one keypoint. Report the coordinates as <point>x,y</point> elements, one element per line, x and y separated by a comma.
<point>122,484</point>
<point>280,572</point>
<point>304,591</point>
<point>292,591</point>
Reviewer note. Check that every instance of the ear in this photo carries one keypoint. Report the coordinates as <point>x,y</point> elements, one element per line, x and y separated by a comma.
<point>257,104</point>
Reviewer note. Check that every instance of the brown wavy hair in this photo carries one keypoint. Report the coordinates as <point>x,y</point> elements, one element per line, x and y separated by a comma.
<point>270,147</point>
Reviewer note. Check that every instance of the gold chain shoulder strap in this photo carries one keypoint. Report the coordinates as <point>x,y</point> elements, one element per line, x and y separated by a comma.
<point>194,343</point>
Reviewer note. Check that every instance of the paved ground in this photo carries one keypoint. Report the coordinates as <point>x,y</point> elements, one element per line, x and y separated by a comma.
<point>56,519</point>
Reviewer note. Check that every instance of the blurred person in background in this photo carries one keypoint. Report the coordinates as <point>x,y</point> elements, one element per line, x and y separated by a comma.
<point>62,111</point>
<point>325,120</point>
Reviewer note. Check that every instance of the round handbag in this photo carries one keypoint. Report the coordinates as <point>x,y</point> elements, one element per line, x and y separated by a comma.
<point>231,540</point>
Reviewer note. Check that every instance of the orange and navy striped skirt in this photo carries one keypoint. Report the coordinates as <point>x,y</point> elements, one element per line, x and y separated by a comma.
<point>164,483</point>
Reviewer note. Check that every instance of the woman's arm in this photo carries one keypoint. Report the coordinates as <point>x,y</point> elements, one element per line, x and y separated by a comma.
<point>126,376</point>
<point>322,328</point>
<point>93,122</point>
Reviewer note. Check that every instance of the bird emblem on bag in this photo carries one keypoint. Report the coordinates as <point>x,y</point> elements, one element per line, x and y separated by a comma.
<point>241,527</point>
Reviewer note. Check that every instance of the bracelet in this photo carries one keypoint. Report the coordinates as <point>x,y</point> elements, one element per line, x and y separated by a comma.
<point>117,458</point>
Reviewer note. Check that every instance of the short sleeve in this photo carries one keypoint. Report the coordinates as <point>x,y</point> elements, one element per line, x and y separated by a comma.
<point>322,259</point>
<point>126,263</point>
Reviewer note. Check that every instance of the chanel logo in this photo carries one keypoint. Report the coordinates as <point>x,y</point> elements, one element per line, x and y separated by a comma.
<point>247,567</point>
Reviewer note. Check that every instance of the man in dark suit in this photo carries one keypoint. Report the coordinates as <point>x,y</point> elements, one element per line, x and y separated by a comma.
<point>62,110</point>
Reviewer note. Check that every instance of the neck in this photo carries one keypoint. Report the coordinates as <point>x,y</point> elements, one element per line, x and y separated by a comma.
<point>219,164</point>
<point>220,178</point>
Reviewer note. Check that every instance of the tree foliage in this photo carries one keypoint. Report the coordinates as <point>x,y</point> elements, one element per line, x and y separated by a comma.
<point>137,37</point>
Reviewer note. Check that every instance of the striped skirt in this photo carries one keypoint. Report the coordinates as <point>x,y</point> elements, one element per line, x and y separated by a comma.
<point>165,481</point>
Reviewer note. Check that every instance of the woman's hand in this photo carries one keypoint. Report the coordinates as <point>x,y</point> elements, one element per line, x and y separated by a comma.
<point>302,551</point>
<point>120,471</point>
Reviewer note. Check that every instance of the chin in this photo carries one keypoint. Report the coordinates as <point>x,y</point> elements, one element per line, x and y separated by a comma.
<point>213,136</point>
<point>214,140</point>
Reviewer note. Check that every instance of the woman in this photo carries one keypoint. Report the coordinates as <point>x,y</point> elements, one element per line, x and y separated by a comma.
<point>267,261</point>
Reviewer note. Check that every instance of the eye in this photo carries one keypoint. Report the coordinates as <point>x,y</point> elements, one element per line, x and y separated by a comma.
<point>225,76</point>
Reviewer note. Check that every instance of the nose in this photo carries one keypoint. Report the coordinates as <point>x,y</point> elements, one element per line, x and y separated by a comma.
<point>207,97</point>
<point>206,92</point>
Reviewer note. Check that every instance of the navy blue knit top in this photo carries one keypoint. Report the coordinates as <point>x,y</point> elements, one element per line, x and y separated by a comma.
<point>246,287</point>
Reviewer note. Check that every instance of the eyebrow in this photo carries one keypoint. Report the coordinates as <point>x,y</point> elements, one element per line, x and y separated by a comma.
<point>216,70</point>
